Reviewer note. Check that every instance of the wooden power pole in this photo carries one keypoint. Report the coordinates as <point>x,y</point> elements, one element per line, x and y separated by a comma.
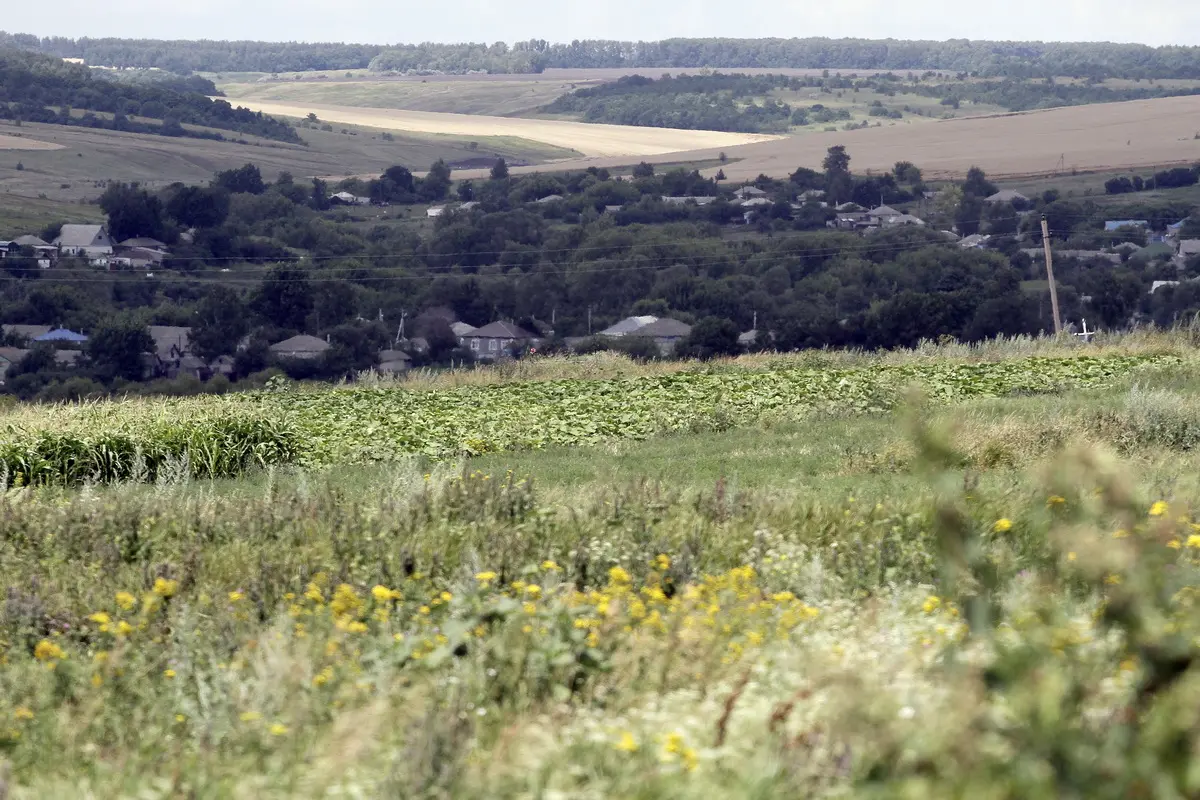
<point>1050,275</point>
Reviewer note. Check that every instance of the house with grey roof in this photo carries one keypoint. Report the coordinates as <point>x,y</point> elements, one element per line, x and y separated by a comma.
<point>87,241</point>
<point>665,332</point>
<point>1006,196</point>
<point>749,192</point>
<point>393,362</point>
<point>627,326</point>
<point>27,332</point>
<point>1189,248</point>
<point>10,357</point>
<point>302,346</point>
<point>495,340</point>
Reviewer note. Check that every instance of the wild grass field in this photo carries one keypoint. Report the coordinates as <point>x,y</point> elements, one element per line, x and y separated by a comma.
<point>985,593</point>
<point>86,159</point>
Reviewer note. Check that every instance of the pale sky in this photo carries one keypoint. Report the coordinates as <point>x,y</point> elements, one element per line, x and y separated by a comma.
<point>1154,22</point>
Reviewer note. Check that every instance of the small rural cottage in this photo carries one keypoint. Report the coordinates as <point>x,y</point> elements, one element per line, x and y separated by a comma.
<point>88,241</point>
<point>493,341</point>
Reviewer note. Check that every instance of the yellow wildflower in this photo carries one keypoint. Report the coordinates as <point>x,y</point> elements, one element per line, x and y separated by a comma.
<point>533,590</point>
<point>250,716</point>
<point>236,597</point>
<point>21,712</point>
<point>399,637</point>
<point>164,587</point>
<point>1158,509</point>
<point>1055,500</point>
<point>1113,579</point>
<point>100,618</point>
<point>627,744</point>
<point>783,597</point>
<point>530,608</point>
<point>345,601</point>
<point>1194,541</point>
<point>550,566</point>
<point>180,718</point>
<point>423,610</point>
<point>168,674</point>
<point>662,562</point>
<point>1002,525</point>
<point>278,729</point>
<point>313,593</point>
<point>618,575</point>
<point>97,681</point>
<point>125,600</point>
<point>382,594</point>
<point>485,577</point>
<point>1175,544</point>
<point>932,604</point>
<point>47,650</point>
<point>124,628</point>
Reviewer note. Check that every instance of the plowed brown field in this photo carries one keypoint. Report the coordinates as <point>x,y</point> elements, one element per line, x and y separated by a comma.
<point>1108,136</point>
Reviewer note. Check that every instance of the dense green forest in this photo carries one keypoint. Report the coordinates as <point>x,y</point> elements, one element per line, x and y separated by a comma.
<point>989,59</point>
<point>37,88</point>
<point>709,102</point>
<point>744,103</point>
<point>270,259</point>
<point>200,56</point>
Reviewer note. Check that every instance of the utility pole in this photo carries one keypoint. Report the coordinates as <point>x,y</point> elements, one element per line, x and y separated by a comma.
<point>1050,275</point>
<point>589,320</point>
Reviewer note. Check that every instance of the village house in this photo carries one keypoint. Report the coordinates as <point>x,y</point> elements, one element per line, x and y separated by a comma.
<point>302,346</point>
<point>45,253</point>
<point>393,362</point>
<point>62,335</point>
<point>27,332</point>
<point>347,199</point>
<point>627,326</point>
<point>665,332</point>
<point>681,201</point>
<point>1189,248</point>
<point>749,193</point>
<point>494,340</point>
<point>85,241</point>
<point>1117,224</point>
<point>10,357</point>
<point>1006,196</point>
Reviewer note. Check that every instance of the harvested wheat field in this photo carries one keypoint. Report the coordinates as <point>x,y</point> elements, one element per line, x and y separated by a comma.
<point>1109,136</point>
<point>21,143</point>
<point>591,140</point>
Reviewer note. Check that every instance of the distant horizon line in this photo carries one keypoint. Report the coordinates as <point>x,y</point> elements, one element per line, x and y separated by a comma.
<point>42,37</point>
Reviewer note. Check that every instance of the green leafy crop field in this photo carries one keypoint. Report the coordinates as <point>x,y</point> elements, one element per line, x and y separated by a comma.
<point>217,437</point>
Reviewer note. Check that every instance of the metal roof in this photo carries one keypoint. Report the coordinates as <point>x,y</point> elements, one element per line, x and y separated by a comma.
<point>61,335</point>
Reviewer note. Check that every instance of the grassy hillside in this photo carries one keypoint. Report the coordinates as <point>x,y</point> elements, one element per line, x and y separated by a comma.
<point>994,598</point>
<point>460,96</point>
<point>91,158</point>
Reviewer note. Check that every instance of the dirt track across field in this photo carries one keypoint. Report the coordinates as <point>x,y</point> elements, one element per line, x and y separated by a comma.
<point>1110,136</point>
<point>21,143</point>
<point>591,140</point>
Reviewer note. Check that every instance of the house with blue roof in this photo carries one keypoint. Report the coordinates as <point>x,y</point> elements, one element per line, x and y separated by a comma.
<point>62,335</point>
<point>1117,224</point>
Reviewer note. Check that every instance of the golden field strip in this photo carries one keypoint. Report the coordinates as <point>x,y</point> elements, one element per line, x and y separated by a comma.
<point>591,140</point>
<point>21,143</point>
